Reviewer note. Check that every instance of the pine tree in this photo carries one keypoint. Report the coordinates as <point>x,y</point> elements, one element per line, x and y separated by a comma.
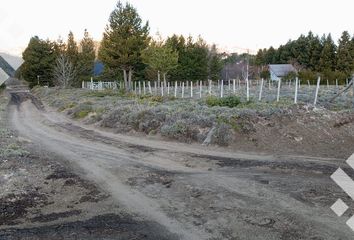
<point>328,54</point>
<point>344,58</point>
<point>124,39</point>
<point>86,59</point>
<point>178,44</point>
<point>39,61</point>
<point>215,64</point>
<point>72,51</point>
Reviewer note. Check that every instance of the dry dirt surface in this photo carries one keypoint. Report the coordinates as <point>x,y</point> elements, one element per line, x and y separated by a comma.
<point>119,187</point>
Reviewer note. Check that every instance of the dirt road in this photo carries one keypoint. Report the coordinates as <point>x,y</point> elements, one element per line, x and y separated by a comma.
<point>195,192</point>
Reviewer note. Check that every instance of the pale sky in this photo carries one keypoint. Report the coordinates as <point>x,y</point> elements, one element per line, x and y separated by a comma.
<point>231,24</point>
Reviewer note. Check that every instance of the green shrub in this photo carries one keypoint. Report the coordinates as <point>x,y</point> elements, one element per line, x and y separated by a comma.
<point>212,101</point>
<point>81,114</point>
<point>230,101</point>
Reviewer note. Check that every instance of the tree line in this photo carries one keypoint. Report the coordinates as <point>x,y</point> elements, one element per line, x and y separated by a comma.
<point>57,62</point>
<point>127,51</point>
<point>313,55</point>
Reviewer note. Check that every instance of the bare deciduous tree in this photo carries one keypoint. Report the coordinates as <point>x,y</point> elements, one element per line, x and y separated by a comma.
<point>64,71</point>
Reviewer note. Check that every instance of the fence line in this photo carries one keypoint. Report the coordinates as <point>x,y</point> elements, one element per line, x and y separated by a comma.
<point>250,90</point>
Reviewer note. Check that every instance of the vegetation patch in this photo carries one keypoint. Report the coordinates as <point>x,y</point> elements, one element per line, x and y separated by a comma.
<point>230,101</point>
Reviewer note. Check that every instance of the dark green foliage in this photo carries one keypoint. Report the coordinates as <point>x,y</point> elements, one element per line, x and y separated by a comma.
<point>230,101</point>
<point>265,74</point>
<point>124,39</point>
<point>215,64</point>
<point>313,55</point>
<point>86,59</point>
<point>39,60</point>
<point>344,56</point>
<point>193,58</point>
<point>328,55</point>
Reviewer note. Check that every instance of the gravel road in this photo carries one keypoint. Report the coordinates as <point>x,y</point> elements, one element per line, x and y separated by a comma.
<point>194,192</point>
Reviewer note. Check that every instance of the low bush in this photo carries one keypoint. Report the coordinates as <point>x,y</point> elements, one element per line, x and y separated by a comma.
<point>230,101</point>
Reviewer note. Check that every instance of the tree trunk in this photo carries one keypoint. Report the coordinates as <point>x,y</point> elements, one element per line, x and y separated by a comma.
<point>158,79</point>
<point>125,79</point>
<point>164,79</point>
<point>130,79</point>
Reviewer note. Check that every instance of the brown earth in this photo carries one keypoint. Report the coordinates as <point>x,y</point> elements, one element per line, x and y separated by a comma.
<point>84,183</point>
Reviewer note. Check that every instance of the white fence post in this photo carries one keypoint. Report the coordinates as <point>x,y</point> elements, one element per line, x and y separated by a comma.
<point>176,86</point>
<point>201,89</point>
<point>150,90</point>
<point>234,85</point>
<point>247,90</point>
<point>191,89</point>
<point>296,86</point>
<point>210,82</point>
<point>317,88</point>
<point>222,89</point>
<point>260,91</point>
<point>278,93</point>
<point>269,84</point>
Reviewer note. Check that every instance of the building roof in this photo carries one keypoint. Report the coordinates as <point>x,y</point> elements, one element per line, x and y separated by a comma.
<point>281,70</point>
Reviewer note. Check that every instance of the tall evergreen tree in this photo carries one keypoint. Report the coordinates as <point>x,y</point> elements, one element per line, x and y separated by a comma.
<point>315,49</point>
<point>344,57</point>
<point>328,54</point>
<point>39,61</point>
<point>215,64</point>
<point>72,51</point>
<point>86,58</point>
<point>124,39</point>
